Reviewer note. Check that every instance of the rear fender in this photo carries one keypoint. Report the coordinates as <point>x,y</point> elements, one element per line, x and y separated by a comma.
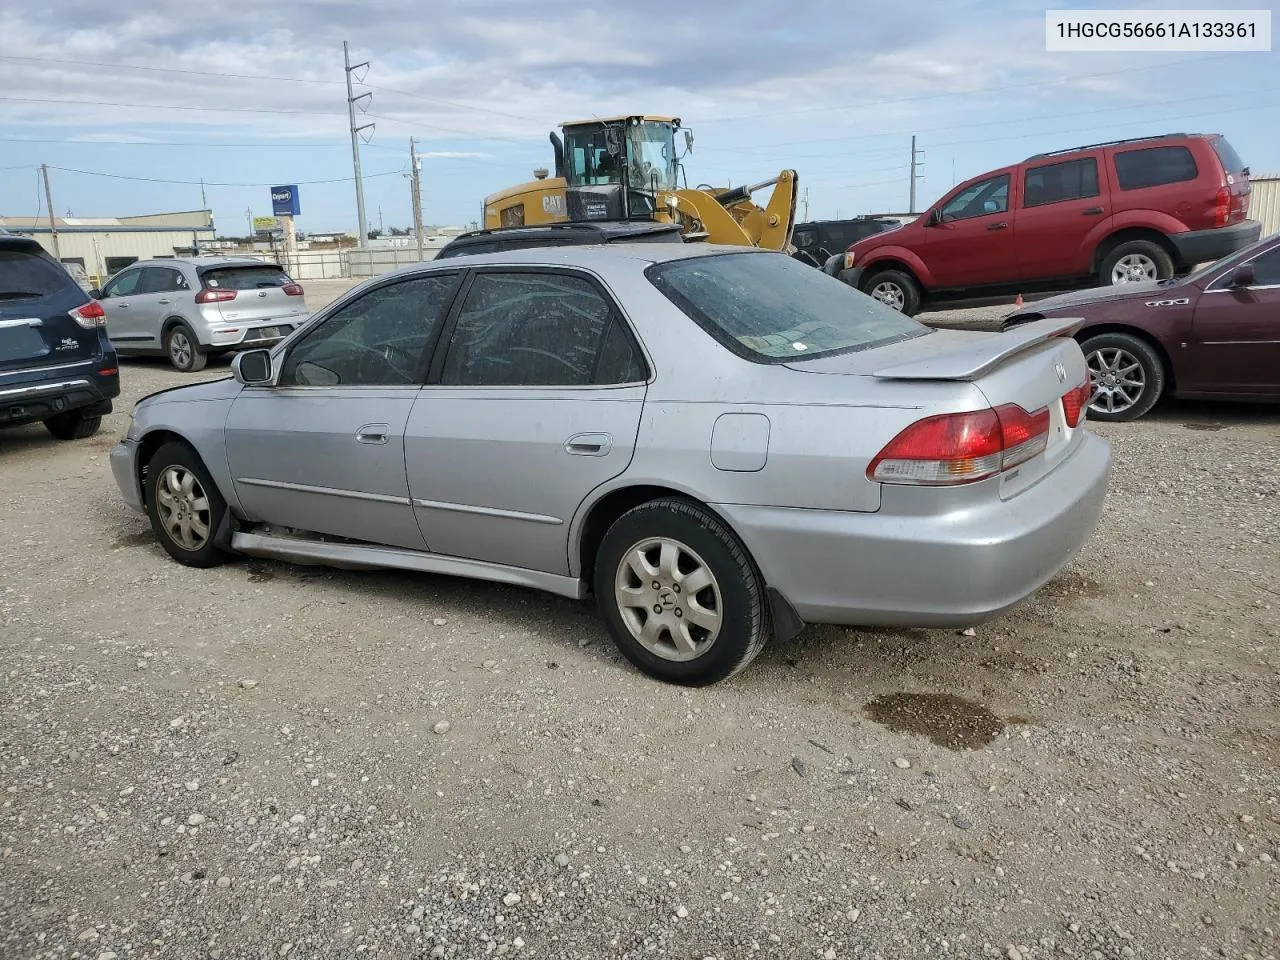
<point>1151,221</point>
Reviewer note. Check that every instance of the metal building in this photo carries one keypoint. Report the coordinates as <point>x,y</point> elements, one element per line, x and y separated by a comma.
<point>102,246</point>
<point>1264,201</point>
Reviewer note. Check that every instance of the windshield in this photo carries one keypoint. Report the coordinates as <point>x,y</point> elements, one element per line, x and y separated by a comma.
<point>771,308</point>
<point>652,155</point>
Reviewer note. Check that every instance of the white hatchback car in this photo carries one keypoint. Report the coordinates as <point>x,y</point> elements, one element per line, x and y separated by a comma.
<point>190,308</point>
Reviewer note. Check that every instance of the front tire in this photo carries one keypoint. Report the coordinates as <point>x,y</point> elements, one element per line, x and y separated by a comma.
<point>680,596</point>
<point>72,425</point>
<point>183,349</point>
<point>1138,261</point>
<point>895,289</point>
<point>1128,376</point>
<point>184,506</point>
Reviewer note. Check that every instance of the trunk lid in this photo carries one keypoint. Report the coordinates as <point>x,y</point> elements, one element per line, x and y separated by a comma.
<point>260,292</point>
<point>1033,365</point>
<point>36,297</point>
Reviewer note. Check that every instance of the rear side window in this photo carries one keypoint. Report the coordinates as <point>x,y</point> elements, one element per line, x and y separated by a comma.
<point>244,278</point>
<point>1055,182</point>
<point>26,276</point>
<point>1231,162</point>
<point>772,309</point>
<point>1154,167</point>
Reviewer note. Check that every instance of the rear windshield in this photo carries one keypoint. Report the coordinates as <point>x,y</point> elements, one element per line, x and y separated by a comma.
<point>1231,162</point>
<point>29,276</point>
<point>244,278</point>
<point>771,308</point>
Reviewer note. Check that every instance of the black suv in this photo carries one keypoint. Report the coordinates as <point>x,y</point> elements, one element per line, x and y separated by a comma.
<point>560,235</point>
<point>56,364</point>
<point>819,240</point>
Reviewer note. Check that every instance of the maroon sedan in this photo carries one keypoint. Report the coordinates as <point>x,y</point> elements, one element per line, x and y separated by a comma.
<point>1212,334</point>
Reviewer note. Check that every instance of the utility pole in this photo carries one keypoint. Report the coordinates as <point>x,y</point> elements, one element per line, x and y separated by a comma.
<point>382,228</point>
<point>915,164</point>
<point>805,201</point>
<point>415,165</point>
<point>355,140</point>
<point>53,220</point>
<point>204,204</point>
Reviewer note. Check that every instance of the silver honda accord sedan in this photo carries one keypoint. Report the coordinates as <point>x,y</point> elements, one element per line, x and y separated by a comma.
<point>719,444</point>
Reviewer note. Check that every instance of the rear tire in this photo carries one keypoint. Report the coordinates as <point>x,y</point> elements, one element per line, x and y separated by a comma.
<point>72,425</point>
<point>707,617</point>
<point>895,289</point>
<point>183,349</point>
<point>185,506</point>
<point>1136,261</point>
<point>1128,376</point>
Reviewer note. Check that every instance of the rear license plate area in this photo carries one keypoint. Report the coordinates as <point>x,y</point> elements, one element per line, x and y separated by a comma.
<point>21,343</point>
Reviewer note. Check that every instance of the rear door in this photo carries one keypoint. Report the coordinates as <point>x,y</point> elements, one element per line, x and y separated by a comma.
<point>1236,334</point>
<point>261,292</point>
<point>1061,202</point>
<point>535,402</point>
<point>973,242</point>
<point>36,330</point>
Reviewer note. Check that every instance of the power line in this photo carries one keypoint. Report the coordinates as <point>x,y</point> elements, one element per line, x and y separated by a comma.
<point>196,73</point>
<point>168,106</point>
<point>211,183</point>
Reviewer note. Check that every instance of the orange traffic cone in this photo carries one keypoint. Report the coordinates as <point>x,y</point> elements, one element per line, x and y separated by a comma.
<point>1018,302</point>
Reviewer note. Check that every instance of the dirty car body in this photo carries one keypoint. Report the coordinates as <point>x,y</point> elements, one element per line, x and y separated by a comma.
<point>631,419</point>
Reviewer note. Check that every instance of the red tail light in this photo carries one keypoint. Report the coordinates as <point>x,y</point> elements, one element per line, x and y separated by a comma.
<point>1075,403</point>
<point>108,371</point>
<point>292,289</point>
<point>90,315</point>
<point>1222,207</point>
<point>211,295</point>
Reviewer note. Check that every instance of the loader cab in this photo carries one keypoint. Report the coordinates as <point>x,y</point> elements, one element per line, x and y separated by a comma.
<point>617,168</point>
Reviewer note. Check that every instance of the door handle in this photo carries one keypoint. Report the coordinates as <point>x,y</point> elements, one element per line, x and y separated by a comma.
<point>1092,211</point>
<point>589,444</point>
<point>373,433</point>
<point>164,301</point>
<point>122,306</point>
<point>1002,225</point>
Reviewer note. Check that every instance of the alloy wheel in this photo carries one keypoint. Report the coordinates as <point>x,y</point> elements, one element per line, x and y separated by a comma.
<point>1118,380</point>
<point>183,507</point>
<point>889,294</point>
<point>669,599</point>
<point>1134,268</point>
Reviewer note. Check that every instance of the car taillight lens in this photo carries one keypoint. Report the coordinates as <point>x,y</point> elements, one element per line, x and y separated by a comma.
<point>1075,403</point>
<point>90,315</point>
<point>1222,207</point>
<point>292,289</point>
<point>956,448</point>
<point>210,295</point>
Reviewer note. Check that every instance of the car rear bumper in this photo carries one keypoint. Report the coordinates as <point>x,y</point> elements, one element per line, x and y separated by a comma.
<point>124,467</point>
<point>252,334</point>
<point>1205,246</point>
<point>36,393</point>
<point>905,569</point>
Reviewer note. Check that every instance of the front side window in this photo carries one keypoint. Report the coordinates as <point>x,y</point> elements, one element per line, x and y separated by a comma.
<point>1055,182</point>
<point>1154,167</point>
<point>979,199</point>
<point>1266,269</point>
<point>123,285</point>
<point>378,340</point>
<point>538,329</point>
<point>772,309</point>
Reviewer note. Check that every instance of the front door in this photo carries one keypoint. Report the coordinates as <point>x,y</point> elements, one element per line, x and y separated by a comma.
<point>1060,204</point>
<point>124,328</point>
<point>322,449</point>
<point>972,243</point>
<point>535,403</point>
<point>1235,345</point>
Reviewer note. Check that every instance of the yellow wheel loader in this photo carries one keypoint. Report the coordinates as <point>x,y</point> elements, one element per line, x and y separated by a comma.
<point>626,168</point>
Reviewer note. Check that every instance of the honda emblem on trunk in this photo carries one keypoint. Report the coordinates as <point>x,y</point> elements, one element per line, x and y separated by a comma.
<point>1061,371</point>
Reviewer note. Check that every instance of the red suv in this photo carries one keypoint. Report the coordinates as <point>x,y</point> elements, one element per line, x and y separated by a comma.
<point>1130,210</point>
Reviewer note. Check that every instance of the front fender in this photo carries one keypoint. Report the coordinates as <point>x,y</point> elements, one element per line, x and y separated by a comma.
<point>883,256</point>
<point>201,423</point>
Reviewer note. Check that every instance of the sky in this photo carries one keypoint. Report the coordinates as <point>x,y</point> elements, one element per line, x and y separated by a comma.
<point>130,109</point>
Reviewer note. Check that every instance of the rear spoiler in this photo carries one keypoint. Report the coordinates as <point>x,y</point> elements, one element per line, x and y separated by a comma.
<point>971,361</point>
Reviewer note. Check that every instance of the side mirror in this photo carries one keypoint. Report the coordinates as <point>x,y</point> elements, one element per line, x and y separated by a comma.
<point>252,368</point>
<point>95,293</point>
<point>1242,276</point>
<point>935,218</point>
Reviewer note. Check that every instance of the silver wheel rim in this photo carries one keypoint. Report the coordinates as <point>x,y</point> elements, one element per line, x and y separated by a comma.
<point>183,507</point>
<point>1118,380</point>
<point>1134,268</point>
<point>669,599</point>
<point>890,294</point>
<point>180,348</point>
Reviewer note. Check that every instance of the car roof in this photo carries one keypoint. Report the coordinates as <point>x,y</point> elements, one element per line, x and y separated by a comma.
<point>16,241</point>
<point>568,228</point>
<point>587,255</point>
<point>204,262</point>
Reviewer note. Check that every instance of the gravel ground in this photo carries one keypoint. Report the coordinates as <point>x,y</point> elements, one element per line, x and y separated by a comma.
<point>264,760</point>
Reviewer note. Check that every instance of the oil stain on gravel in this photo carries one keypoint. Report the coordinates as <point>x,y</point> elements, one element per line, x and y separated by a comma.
<point>1205,426</point>
<point>260,573</point>
<point>947,720</point>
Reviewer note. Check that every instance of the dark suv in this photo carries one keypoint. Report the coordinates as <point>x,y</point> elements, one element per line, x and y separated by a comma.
<point>1121,212</point>
<point>816,241</point>
<point>56,364</point>
<point>559,235</point>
